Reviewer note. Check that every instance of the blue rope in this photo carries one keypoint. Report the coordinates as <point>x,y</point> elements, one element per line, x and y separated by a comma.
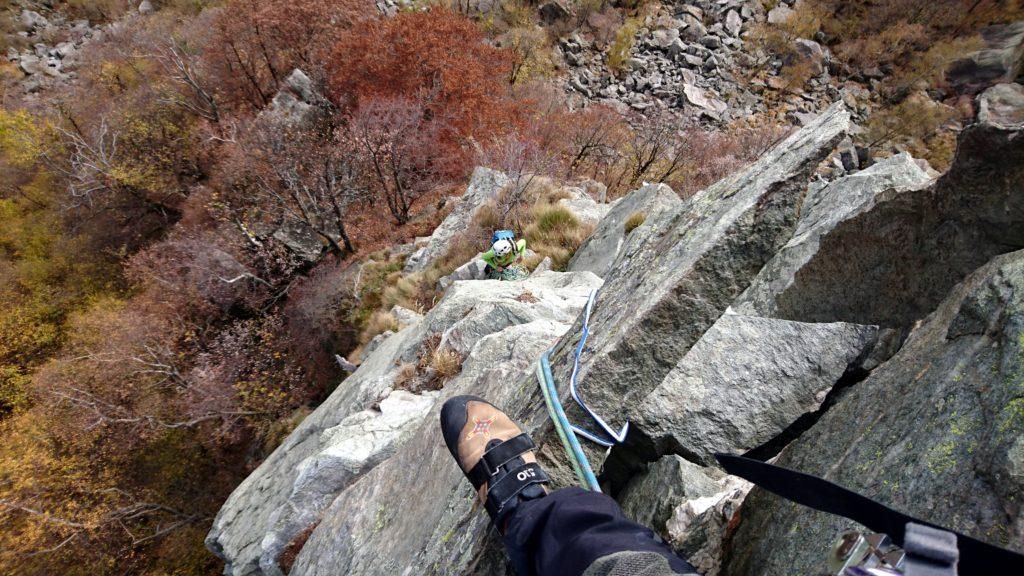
<point>576,451</point>
<point>616,437</point>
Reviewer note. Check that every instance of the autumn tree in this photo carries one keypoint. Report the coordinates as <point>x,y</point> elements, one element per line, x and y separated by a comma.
<point>257,43</point>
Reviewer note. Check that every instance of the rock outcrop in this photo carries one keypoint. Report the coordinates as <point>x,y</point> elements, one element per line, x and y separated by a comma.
<point>745,381</point>
<point>768,313</point>
<point>891,265</point>
<point>600,250</point>
<point>484,185</point>
<point>677,281</point>
<point>938,432</point>
<point>500,328</point>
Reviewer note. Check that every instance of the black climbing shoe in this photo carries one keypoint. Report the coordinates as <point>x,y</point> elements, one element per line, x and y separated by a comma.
<point>493,453</point>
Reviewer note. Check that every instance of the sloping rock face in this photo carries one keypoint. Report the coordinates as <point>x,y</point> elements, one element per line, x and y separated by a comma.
<point>938,432</point>
<point>893,264</point>
<point>600,250</point>
<point>744,382</point>
<point>484,185</point>
<point>283,499</point>
<point>1000,61</point>
<point>676,282</point>
<point>822,212</point>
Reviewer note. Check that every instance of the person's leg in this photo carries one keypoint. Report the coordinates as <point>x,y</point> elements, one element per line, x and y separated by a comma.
<point>573,531</point>
<point>570,532</point>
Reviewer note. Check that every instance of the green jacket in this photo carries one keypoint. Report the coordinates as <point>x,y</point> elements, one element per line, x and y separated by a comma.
<point>516,254</point>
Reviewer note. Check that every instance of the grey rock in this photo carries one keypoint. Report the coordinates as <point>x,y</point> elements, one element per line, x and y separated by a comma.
<point>33,20</point>
<point>405,316</point>
<point>824,210</point>
<point>694,29</point>
<point>300,239</point>
<point>697,97</point>
<point>1002,60</point>
<point>485,184</point>
<point>146,7</point>
<point>296,103</point>
<point>1002,105</point>
<point>677,281</point>
<point>544,266</point>
<point>780,14</point>
<point>711,42</point>
<point>475,269</point>
<point>744,382</point>
<point>587,210</point>
<point>599,252</point>
<point>810,52</point>
<point>935,432</point>
<point>553,11</point>
<point>891,265</point>
<point>652,496</point>
<point>347,451</point>
<point>733,23</point>
<point>31,64</point>
<point>481,320</point>
<point>375,343</point>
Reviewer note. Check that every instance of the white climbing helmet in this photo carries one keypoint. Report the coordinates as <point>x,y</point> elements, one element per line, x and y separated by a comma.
<point>502,248</point>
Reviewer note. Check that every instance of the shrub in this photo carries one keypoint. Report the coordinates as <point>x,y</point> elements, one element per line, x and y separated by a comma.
<point>622,46</point>
<point>446,362</point>
<point>634,221</point>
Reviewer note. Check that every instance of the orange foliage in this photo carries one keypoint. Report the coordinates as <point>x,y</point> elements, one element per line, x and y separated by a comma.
<point>257,43</point>
<point>439,58</point>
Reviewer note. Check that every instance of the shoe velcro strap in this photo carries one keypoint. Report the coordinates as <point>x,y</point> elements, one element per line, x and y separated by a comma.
<point>498,456</point>
<point>511,484</point>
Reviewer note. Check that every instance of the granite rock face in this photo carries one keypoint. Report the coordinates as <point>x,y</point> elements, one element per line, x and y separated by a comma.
<point>272,506</point>
<point>891,265</point>
<point>937,432</point>
<point>676,282</point>
<point>822,211</point>
<point>600,250</point>
<point>484,185</point>
<point>745,381</point>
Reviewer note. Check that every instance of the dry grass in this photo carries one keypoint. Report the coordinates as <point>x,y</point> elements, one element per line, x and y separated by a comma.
<point>634,221</point>
<point>556,232</point>
<point>380,321</point>
<point>446,363</point>
<point>406,377</point>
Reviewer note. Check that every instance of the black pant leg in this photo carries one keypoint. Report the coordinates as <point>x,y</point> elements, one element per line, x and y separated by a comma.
<point>565,532</point>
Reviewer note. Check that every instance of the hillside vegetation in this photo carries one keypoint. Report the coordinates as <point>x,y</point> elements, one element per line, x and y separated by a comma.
<point>186,206</point>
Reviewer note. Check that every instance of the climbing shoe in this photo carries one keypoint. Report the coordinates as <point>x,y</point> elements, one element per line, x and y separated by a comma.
<point>493,453</point>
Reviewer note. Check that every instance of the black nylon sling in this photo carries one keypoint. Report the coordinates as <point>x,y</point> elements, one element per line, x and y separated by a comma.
<point>976,557</point>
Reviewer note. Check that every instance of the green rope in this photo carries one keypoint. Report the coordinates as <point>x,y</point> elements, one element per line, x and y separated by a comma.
<point>573,450</point>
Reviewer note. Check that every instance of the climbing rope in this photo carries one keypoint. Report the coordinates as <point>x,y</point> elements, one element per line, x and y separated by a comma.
<point>578,459</point>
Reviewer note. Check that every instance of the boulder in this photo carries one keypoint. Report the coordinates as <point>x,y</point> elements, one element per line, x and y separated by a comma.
<point>697,97</point>
<point>405,316</point>
<point>823,211</point>
<point>146,7</point>
<point>733,23</point>
<point>498,350</point>
<point>651,497</point>
<point>744,383</point>
<point>475,269</point>
<point>553,11</point>
<point>936,432</point>
<point>780,14</point>
<point>809,52</point>
<point>485,184</point>
<point>374,343</point>
<point>1001,60</point>
<point>891,265</point>
<point>599,251</point>
<point>586,209</point>
<point>31,64</point>
<point>1002,105</point>
<point>296,103</point>
<point>677,281</point>
<point>300,239</point>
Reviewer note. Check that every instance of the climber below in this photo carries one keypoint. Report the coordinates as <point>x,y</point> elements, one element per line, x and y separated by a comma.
<point>567,532</point>
<point>505,258</point>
